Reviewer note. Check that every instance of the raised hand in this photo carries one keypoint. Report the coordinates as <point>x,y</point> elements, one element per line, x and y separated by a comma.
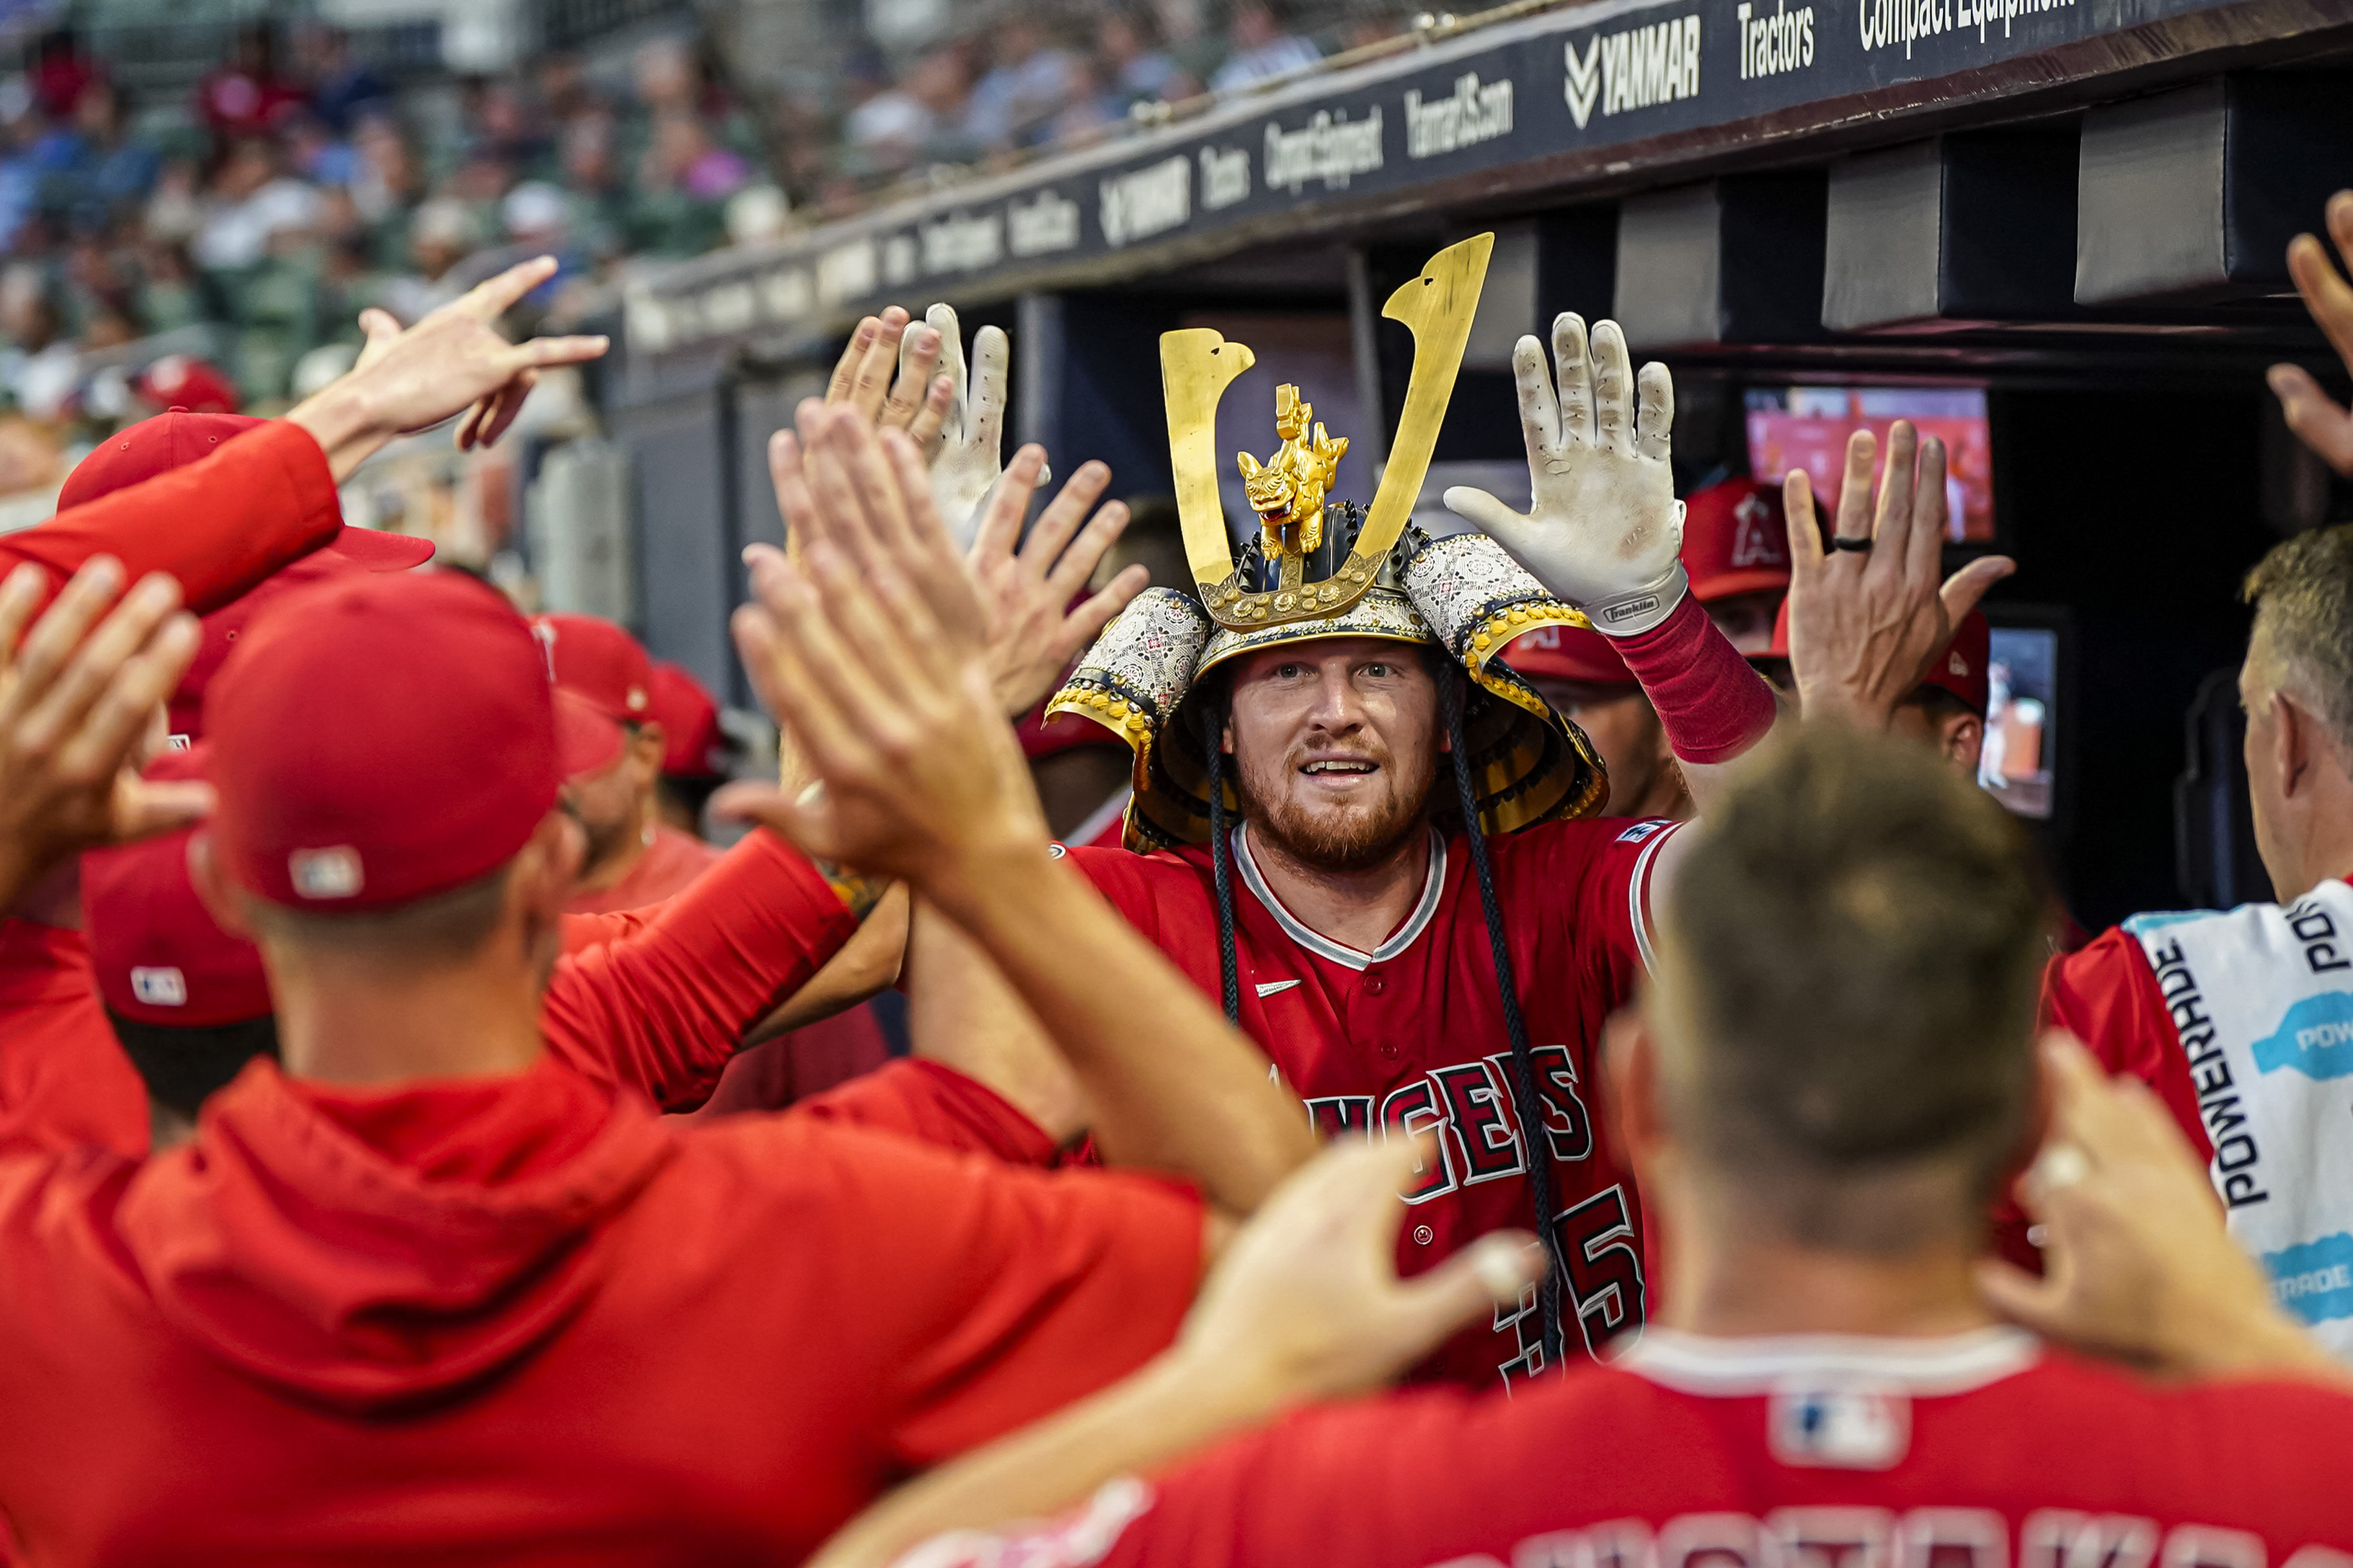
<point>1867,615</point>
<point>914,399</point>
<point>2137,1263</point>
<point>1306,1303</point>
<point>915,778</point>
<point>837,480</point>
<point>76,705</point>
<point>2317,419</point>
<point>1605,530</point>
<point>1037,623</point>
<point>452,360</point>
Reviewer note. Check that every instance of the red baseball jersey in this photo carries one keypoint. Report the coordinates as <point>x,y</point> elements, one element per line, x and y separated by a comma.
<point>1979,1451</point>
<point>1411,1035</point>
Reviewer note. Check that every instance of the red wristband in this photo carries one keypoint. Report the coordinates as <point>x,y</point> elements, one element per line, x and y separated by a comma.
<point>1712,704</point>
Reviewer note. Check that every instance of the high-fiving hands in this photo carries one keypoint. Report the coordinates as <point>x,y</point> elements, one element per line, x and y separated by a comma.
<point>1032,620</point>
<point>1605,532</point>
<point>453,361</point>
<point>79,695</point>
<point>869,650</point>
<point>2316,419</point>
<point>1867,615</point>
<point>912,377</point>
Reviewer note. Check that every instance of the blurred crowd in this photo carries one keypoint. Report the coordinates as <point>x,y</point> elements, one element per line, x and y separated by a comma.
<point>299,186</point>
<point>1036,76</point>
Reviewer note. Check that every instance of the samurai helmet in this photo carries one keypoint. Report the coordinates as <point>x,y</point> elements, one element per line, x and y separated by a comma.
<point>1318,569</point>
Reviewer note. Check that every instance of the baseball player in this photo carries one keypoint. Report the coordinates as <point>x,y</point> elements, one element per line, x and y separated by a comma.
<point>635,858</point>
<point>1578,671</point>
<point>2239,1019</point>
<point>1305,792</point>
<point>1820,1098</point>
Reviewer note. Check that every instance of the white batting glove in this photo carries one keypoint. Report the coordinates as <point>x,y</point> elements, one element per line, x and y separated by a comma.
<point>1605,533</point>
<point>966,464</point>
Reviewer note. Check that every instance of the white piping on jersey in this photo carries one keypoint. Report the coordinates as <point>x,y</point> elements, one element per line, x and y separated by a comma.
<point>1638,888</point>
<point>1323,946</point>
<point>1106,814</point>
<point>1766,1363</point>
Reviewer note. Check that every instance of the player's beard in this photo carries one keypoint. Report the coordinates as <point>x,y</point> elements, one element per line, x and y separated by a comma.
<point>1351,838</point>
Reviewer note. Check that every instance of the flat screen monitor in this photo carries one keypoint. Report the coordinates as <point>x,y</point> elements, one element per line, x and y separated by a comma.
<point>1807,427</point>
<point>2020,755</point>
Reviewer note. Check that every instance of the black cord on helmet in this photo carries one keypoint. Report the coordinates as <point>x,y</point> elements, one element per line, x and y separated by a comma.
<point>1515,1029</point>
<point>1222,872</point>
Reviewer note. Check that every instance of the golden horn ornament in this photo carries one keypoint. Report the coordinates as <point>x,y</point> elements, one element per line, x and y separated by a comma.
<point>1198,364</point>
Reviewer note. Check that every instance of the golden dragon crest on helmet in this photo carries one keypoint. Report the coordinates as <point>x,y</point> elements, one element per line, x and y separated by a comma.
<point>1287,490</point>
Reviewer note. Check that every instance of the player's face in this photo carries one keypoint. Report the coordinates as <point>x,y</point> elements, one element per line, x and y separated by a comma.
<point>1334,746</point>
<point>606,805</point>
<point>1625,729</point>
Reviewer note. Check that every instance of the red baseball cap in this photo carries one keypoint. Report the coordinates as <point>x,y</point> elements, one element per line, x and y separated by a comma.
<point>1568,653</point>
<point>586,743</point>
<point>378,741</point>
<point>1735,541</point>
<point>600,661</point>
<point>172,440</point>
<point>161,957</point>
<point>186,382</point>
<point>693,746</point>
<point>1958,668</point>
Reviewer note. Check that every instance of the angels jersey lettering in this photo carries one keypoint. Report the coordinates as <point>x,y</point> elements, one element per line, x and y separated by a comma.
<point>2243,1023</point>
<point>1979,1451</point>
<point>1410,1037</point>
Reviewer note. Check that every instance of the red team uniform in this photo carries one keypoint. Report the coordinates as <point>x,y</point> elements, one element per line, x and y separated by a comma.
<point>1411,1035</point>
<point>1983,1450</point>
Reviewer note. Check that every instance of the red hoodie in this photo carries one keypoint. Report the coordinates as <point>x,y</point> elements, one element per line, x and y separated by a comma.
<point>521,1319</point>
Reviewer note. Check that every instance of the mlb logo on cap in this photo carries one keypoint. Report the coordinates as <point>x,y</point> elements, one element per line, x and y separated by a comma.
<point>161,987</point>
<point>326,873</point>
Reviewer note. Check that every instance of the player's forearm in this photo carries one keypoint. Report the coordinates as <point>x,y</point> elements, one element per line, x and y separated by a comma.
<point>218,525</point>
<point>2251,1344</point>
<point>344,422</point>
<point>962,1014</point>
<point>1172,1085</point>
<point>867,963</point>
<point>1168,1409</point>
<point>1714,707</point>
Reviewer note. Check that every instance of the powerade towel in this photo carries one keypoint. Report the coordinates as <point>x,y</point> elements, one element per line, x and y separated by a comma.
<point>2261,1002</point>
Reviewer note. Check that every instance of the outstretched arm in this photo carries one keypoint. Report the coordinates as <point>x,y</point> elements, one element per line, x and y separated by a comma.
<point>891,700</point>
<point>1605,532</point>
<point>663,1009</point>
<point>222,524</point>
<point>1305,1304</point>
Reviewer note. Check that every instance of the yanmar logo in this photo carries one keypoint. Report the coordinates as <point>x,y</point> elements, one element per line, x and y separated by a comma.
<point>1636,68</point>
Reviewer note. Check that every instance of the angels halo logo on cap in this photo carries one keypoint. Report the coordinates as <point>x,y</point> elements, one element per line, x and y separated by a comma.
<point>162,986</point>
<point>332,873</point>
<point>1955,665</point>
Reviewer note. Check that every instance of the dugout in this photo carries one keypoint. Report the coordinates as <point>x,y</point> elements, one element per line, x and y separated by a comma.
<point>2063,218</point>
